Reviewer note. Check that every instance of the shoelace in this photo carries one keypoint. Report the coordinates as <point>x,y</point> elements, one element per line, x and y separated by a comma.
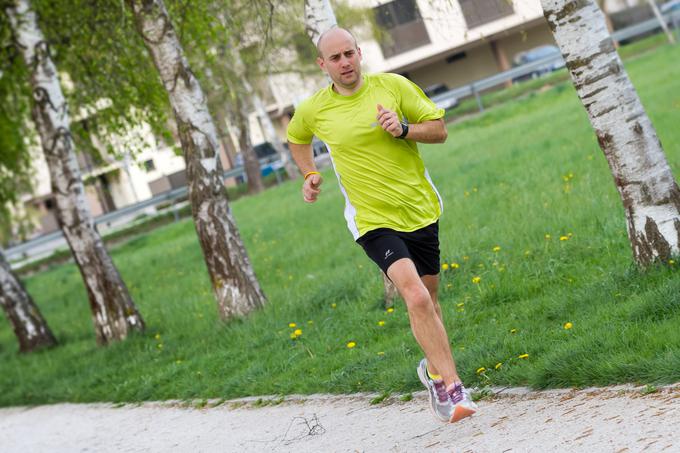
<point>440,389</point>
<point>456,394</point>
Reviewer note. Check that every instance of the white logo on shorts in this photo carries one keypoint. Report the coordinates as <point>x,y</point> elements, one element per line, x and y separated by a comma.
<point>388,253</point>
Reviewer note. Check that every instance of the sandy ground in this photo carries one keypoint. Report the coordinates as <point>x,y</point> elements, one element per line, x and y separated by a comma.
<point>617,419</point>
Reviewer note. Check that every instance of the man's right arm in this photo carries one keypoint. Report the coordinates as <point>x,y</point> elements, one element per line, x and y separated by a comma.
<point>304,158</point>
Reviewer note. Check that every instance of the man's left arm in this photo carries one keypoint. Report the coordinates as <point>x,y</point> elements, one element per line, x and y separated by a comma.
<point>432,131</point>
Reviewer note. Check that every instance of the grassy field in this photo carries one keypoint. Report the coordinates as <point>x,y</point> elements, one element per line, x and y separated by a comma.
<point>530,210</point>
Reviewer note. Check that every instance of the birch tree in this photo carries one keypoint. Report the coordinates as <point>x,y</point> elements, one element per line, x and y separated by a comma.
<point>113,312</point>
<point>233,279</point>
<point>28,324</point>
<point>650,194</point>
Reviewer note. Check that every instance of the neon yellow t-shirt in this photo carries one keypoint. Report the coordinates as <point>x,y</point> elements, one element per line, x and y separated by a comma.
<point>383,179</point>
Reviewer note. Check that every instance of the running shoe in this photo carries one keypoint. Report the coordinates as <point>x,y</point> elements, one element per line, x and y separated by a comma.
<point>463,406</point>
<point>440,401</point>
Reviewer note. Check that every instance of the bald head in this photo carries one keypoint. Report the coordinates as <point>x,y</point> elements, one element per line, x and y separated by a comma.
<point>333,36</point>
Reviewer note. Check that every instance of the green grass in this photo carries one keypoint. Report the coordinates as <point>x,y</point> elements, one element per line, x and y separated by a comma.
<point>502,176</point>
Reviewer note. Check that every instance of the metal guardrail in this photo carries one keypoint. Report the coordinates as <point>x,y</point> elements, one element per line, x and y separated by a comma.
<point>19,252</point>
<point>472,89</point>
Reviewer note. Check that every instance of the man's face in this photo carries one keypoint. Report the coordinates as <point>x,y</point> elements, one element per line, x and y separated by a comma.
<point>341,59</point>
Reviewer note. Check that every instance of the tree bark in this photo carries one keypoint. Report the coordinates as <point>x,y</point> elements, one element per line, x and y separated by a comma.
<point>270,133</point>
<point>319,17</point>
<point>113,311</point>
<point>662,21</point>
<point>650,195</point>
<point>251,163</point>
<point>233,279</point>
<point>29,326</point>
<point>255,102</point>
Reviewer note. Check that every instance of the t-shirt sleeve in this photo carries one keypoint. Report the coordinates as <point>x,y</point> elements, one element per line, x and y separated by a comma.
<point>415,105</point>
<point>298,131</point>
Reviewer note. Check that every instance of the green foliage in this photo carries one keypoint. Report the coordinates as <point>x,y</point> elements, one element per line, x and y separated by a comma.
<point>14,110</point>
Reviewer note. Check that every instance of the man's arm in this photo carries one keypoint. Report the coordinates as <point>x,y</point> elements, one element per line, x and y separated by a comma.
<point>433,131</point>
<point>304,158</point>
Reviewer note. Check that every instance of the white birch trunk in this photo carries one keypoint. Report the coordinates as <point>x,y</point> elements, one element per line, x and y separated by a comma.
<point>319,17</point>
<point>29,326</point>
<point>650,195</point>
<point>662,21</point>
<point>113,312</point>
<point>233,279</point>
<point>262,115</point>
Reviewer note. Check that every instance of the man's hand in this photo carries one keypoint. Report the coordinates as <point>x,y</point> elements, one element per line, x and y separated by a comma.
<point>310,188</point>
<point>389,121</point>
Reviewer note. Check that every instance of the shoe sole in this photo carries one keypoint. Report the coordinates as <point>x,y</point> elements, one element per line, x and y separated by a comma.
<point>423,380</point>
<point>461,412</point>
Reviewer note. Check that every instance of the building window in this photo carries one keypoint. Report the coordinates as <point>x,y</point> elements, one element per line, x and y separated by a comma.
<point>480,12</point>
<point>402,25</point>
<point>149,165</point>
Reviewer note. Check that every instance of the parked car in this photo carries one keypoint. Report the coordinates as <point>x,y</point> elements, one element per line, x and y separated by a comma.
<point>672,5</point>
<point>262,151</point>
<point>441,96</point>
<point>536,54</point>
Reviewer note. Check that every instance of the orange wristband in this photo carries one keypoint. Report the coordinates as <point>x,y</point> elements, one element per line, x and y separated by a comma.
<point>310,173</point>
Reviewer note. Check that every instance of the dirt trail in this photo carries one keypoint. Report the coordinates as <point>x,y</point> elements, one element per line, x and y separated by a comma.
<point>616,419</point>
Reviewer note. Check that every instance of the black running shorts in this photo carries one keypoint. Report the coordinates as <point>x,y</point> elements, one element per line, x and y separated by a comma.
<point>385,246</point>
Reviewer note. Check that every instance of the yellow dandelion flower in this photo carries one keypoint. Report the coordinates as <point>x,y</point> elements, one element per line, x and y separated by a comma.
<point>381,323</point>
<point>523,356</point>
<point>351,344</point>
<point>513,330</point>
<point>298,332</point>
<point>568,325</point>
<point>547,236</point>
<point>671,262</point>
<point>564,238</point>
<point>293,336</point>
<point>480,370</point>
<point>445,266</point>
<point>390,310</point>
<point>498,365</point>
<point>292,324</point>
<point>157,336</point>
<point>460,304</point>
<point>497,248</point>
<point>333,305</point>
<point>476,280</point>
<point>455,265</point>
<point>381,353</point>
<point>465,258</point>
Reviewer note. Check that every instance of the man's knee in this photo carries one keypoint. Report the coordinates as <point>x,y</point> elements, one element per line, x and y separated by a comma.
<point>417,297</point>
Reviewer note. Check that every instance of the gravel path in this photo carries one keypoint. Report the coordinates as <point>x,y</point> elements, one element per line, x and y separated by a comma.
<point>615,419</point>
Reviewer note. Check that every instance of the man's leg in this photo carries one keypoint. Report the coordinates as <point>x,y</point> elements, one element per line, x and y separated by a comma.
<point>425,317</point>
<point>431,282</point>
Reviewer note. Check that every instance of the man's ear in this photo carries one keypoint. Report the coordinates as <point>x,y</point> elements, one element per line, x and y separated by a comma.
<point>359,52</point>
<point>320,62</point>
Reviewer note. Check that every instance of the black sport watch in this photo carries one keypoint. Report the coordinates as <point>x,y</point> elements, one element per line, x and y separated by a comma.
<point>404,130</point>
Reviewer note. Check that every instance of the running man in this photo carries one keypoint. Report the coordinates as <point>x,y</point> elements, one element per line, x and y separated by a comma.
<point>371,124</point>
